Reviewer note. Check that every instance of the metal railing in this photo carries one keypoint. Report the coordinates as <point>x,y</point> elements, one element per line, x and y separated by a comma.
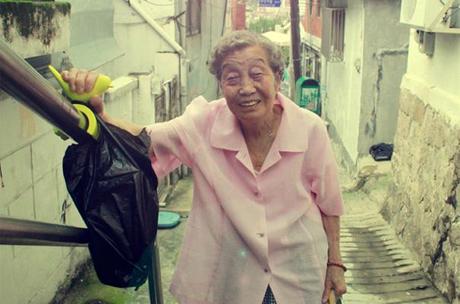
<point>21,81</point>
<point>26,232</point>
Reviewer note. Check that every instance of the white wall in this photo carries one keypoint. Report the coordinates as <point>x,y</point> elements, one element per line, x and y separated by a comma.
<point>141,44</point>
<point>31,182</point>
<point>342,102</point>
<point>32,187</point>
<point>199,46</point>
<point>436,79</point>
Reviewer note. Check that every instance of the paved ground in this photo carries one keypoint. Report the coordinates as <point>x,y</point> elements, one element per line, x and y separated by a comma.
<point>380,269</point>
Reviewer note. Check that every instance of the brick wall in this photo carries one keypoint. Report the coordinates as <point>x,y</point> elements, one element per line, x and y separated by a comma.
<point>238,15</point>
<point>312,20</point>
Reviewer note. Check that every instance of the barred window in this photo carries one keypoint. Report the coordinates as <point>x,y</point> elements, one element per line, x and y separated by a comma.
<point>193,17</point>
<point>332,43</point>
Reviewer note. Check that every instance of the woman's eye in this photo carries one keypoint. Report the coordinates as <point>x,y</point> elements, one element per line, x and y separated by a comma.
<point>232,79</point>
<point>257,76</point>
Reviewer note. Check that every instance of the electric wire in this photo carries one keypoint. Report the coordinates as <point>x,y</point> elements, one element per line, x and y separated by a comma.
<point>159,4</point>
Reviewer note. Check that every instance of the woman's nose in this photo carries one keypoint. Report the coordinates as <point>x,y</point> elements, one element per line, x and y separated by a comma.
<point>247,87</point>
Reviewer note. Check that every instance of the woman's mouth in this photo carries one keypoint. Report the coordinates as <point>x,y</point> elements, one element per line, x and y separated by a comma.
<point>249,103</point>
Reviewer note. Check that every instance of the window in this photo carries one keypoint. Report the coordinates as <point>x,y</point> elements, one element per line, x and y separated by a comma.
<point>332,43</point>
<point>193,17</point>
<point>318,8</point>
<point>310,7</point>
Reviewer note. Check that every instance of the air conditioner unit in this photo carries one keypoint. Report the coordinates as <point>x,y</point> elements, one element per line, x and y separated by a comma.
<point>420,13</point>
<point>429,15</point>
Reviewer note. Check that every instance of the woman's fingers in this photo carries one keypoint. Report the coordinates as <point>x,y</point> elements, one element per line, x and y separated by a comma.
<point>91,78</point>
<point>97,104</point>
<point>335,280</point>
<point>80,81</point>
<point>327,291</point>
<point>70,77</point>
<point>340,288</point>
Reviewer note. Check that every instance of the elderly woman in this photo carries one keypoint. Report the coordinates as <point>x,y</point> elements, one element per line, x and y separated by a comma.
<point>264,224</point>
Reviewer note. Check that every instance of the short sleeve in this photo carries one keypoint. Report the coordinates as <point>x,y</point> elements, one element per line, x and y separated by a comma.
<point>320,170</point>
<point>167,151</point>
<point>174,142</point>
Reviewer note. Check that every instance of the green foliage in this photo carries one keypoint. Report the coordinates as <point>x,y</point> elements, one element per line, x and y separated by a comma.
<point>263,24</point>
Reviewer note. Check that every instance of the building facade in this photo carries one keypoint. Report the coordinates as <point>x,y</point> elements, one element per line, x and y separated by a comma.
<point>364,49</point>
<point>311,39</point>
<point>423,206</point>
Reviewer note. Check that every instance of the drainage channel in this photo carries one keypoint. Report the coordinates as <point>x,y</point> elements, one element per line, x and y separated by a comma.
<point>381,270</point>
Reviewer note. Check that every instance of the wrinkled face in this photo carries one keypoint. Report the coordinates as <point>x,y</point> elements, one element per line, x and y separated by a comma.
<point>249,84</point>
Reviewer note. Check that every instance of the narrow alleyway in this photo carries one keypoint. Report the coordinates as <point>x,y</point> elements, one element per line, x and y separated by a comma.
<point>381,270</point>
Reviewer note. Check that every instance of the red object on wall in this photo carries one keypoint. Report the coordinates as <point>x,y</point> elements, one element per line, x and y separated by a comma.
<point>238,15</point>
<point>312,19</point>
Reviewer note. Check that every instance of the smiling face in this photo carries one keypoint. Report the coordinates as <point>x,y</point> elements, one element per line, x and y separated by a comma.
<point>249,84</point>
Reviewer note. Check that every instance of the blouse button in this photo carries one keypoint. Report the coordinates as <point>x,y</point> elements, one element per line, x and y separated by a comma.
<point>261,234</point>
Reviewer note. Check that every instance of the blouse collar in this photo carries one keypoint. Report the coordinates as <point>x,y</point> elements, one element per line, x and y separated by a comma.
<point>291,136</point>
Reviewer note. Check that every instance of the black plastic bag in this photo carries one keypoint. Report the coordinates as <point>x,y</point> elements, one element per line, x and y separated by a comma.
<point>114,188</point>
<point>381,152</point>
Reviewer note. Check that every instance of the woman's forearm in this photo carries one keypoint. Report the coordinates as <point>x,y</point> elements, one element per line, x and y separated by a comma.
<point>131,127</point>
<point>332,227</point>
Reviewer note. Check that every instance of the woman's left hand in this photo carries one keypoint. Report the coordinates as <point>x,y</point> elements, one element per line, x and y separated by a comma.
<point>335,281</point>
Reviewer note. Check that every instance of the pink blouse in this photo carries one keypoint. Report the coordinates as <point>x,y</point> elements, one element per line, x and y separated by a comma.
<point>247,230</point>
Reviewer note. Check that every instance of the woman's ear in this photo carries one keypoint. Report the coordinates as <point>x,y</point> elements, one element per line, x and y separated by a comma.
<point>277,82</point>
<point>220,91</point>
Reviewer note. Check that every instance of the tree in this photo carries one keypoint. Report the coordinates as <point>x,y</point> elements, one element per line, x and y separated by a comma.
<point>264,24</point>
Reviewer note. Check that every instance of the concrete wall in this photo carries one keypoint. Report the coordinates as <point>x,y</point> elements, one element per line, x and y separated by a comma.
<point>144,50</point>
<point>33,188</point>
<point>361,93</point>
<point>343,85</point>
<point>31,181</point>
<point>383,64</point>
<point>200,81</point>
<point>426,165</point>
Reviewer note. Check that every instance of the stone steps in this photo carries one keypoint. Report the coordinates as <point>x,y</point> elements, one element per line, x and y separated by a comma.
<point>380,270</point>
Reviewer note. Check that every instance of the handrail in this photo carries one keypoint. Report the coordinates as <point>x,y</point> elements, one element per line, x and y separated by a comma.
<point>26,232</point>
<point>20,80</point>
<point>15,231</point>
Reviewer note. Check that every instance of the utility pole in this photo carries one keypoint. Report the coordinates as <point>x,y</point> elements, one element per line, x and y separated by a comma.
<point>295,38</point>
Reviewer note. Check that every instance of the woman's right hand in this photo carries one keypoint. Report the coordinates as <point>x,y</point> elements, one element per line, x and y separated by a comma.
<point>82,81</point>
